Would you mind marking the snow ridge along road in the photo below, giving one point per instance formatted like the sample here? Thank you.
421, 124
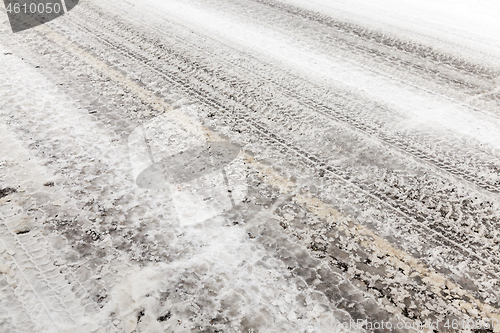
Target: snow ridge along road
371, 147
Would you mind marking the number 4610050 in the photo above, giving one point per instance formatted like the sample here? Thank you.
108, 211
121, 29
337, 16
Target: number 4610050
33, 8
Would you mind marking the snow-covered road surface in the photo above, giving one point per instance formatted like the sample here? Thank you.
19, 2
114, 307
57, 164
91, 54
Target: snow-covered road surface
252, 166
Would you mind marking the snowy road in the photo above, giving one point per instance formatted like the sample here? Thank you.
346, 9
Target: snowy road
252, 166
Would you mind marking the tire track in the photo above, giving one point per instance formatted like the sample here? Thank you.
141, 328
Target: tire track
317, 162
19, 313
47, 288
42, 148
358, 193
411, 48
340, 113
405, 67
276, 138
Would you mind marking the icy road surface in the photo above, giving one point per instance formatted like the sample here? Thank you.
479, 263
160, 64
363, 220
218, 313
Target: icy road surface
252, 166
